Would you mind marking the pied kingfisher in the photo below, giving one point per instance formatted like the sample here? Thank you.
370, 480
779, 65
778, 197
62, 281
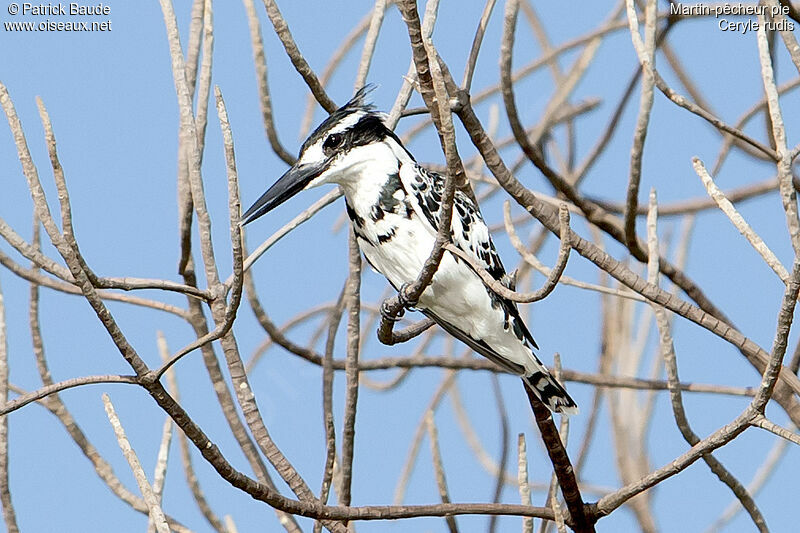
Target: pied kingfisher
393, 204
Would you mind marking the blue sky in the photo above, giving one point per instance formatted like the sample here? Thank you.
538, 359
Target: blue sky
111, 99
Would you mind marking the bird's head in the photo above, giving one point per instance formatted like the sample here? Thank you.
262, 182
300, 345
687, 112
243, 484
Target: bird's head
351, 136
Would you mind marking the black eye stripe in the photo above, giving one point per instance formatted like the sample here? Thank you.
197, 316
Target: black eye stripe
367, 130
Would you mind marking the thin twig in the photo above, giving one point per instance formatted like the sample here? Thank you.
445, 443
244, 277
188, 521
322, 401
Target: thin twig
762, 422
438, 468
370, 41
265, 99
353, 297
739, 222
299, 62
156, 514
522, 478
9, 514
670, 362
472, 59
552, 278
646, 51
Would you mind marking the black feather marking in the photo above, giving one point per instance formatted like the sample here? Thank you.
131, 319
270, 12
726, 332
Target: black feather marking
383, 239
550, 391
358, 221
428, 196
387, 199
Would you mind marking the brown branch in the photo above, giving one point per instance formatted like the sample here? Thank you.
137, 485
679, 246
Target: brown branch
708, 317
265, 99
477, 41
549, 284
353, 297
583, 518
436, 99
186, 455
299, 62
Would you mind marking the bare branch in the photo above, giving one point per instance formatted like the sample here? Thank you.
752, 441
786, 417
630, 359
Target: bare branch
438, 468
739, 222
299, 62
646, 50
671, 364
9, 514
156, 514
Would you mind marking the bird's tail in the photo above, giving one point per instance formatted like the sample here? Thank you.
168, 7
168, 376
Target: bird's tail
550, 391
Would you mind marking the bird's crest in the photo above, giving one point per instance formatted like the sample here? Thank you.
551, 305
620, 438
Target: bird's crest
357, 105
359, 100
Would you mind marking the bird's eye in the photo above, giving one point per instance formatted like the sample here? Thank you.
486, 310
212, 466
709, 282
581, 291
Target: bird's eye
333, 141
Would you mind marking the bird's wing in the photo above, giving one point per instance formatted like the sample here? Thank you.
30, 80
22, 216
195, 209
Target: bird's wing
468, 232
477, 345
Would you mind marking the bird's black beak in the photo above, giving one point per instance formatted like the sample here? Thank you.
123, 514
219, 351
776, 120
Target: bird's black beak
293, 181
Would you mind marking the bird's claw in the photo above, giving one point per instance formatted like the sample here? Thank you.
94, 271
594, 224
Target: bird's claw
405, 300
386, 312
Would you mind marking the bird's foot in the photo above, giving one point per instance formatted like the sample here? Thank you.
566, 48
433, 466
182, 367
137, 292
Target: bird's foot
386, 312
405, 299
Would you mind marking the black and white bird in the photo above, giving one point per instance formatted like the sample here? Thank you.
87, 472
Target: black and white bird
393, 204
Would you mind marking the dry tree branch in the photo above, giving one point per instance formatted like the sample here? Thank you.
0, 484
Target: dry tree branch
53, 403
299, 62
719, 124
552, 278
671, 364
762, 422
54, 388
156, 514
522, 479
730, 431
646, 51
410, 80
477, 41
759, 478
9, 514
369, 42
583, 519
784, 162
186, 457
205, 76
531, 259
353, 297
160, 471
438, 468
708, 317
739, 222
434, 92
227, 312
695, 205
552, 492
265, 99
